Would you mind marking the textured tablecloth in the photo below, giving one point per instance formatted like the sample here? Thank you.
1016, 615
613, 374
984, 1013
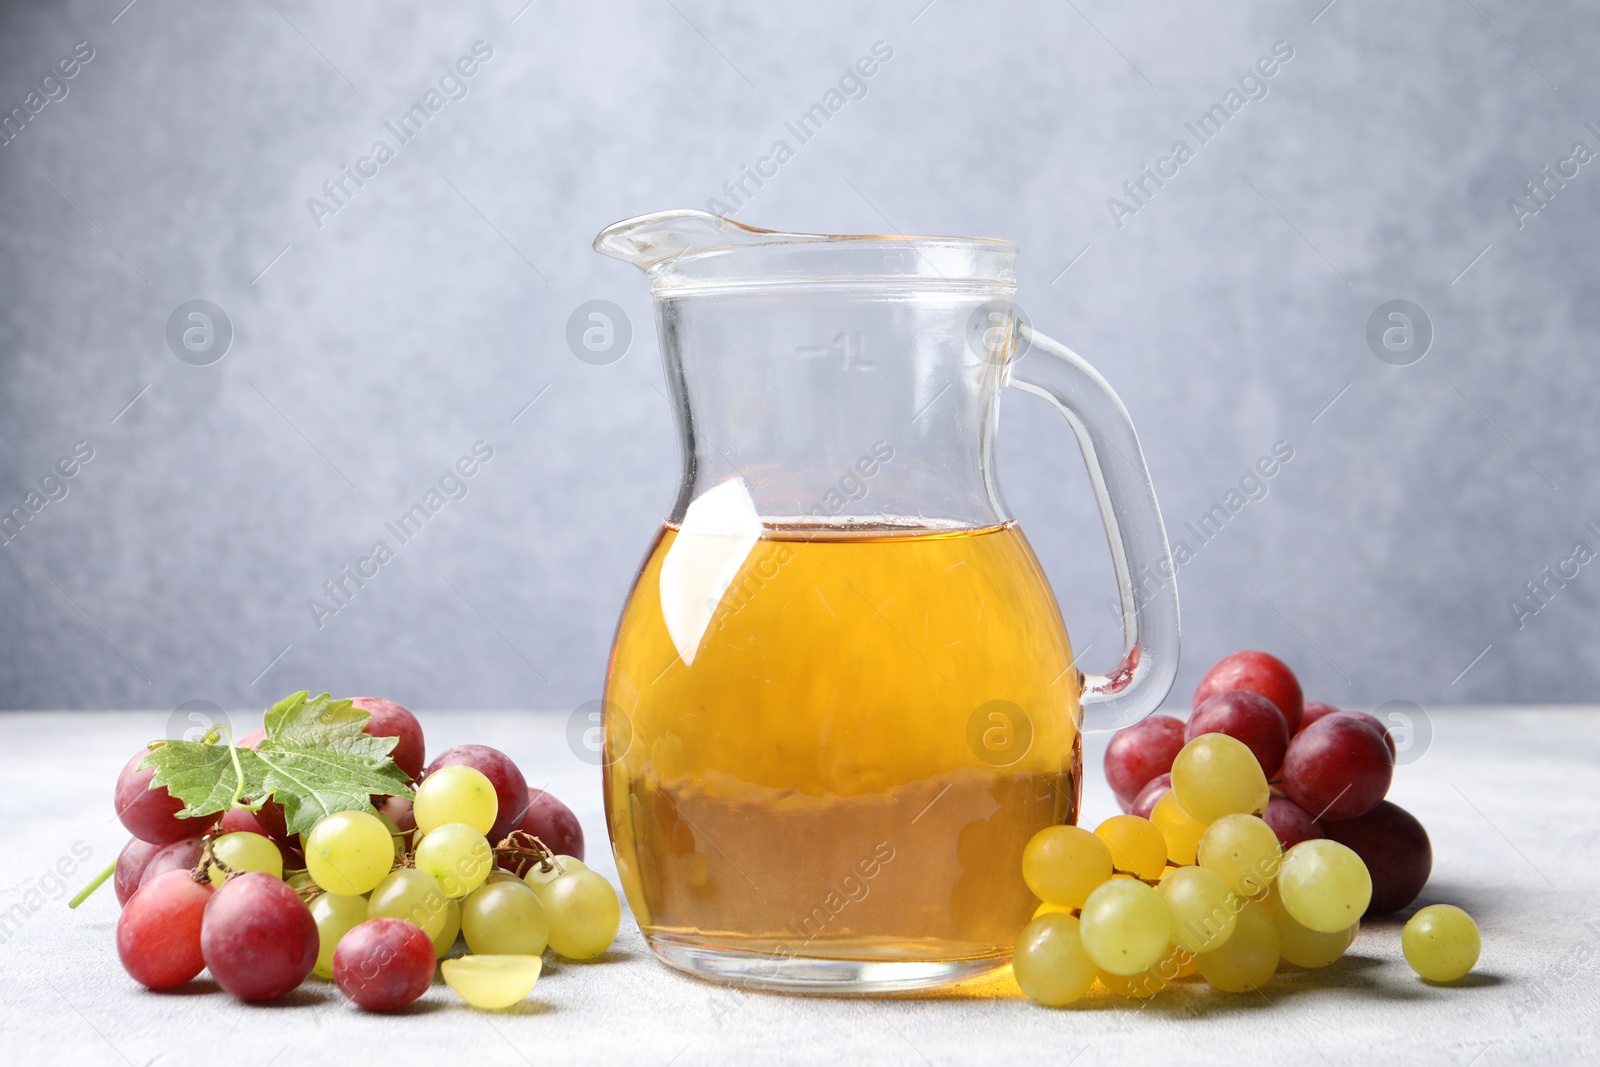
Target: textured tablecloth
1510, 797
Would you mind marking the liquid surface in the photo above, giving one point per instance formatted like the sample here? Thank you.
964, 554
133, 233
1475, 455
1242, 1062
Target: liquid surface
837, 742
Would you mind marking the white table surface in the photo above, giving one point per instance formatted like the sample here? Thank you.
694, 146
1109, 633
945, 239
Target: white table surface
1510, 797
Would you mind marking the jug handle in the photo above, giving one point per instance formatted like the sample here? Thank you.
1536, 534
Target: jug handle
1132, 519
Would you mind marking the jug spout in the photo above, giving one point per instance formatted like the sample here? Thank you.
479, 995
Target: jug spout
647, 240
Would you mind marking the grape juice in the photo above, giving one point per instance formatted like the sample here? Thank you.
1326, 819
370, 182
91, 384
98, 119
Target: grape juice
838, 745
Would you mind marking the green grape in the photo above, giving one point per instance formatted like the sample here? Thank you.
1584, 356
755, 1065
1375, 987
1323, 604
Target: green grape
539, 875
584, 914
1324, 885
1049, 961
1125, 926
492, 982
456, 794
336, 916
1244, 850
1180, 830
411, 895
1441, 942
1249, 959
394, 833
1047, 908
1137, 845
244, 852
505, 919
1063, 864
452, 930
1303, 947
498, 875
1216, 775
349, 852
298, 880
458, 857
1202, 906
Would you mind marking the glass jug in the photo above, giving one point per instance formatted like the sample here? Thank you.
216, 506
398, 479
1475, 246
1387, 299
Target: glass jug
841, 697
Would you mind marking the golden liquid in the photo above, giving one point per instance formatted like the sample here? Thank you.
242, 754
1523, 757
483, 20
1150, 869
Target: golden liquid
829, 775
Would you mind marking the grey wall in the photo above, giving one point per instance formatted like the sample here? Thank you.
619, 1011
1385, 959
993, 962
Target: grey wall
371, 352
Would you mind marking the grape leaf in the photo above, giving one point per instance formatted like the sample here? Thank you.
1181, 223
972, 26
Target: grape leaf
314, 761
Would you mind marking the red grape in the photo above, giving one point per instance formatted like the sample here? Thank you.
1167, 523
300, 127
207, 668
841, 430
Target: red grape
258, 937
384, 964
553, 823
1395, 848
131, 862
1338, 768
1260, 673
178, 856
1374, 722
1248, 717
243, 820
510, 788
158, 933
1153, 791
1141, 752
151, 814
1315, 711
1290, 822
399, 809
391, 720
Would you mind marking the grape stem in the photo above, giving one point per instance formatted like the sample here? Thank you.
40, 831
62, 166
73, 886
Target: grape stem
521, 845
99, 880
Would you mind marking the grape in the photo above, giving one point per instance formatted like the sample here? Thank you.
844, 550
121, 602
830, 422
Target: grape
245, 821
1154, 790
179, 856
1125, 926
131, 862
1202, 907
1374, 722
335, 916
584, 914
258, 937
452, 929
458, 857
1304, 947
455, 794
1248, 717
1290, 822
411, 895
505, 919
349, 852
398, 811
1047, 908
1049, 961
391, 720
158, 933
1315, 711
151, 814
244, 852
1137, 845
1260, 673
383, 964
1324, 885
1249, 959
1063, 864
1139, 752
1180, 830
1337, 769
553, 823
542, 874
510, 788
1244, 851
1217, 775
1396, 850
1441, 942
492, 982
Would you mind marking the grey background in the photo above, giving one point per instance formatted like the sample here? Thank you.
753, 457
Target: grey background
1230, 312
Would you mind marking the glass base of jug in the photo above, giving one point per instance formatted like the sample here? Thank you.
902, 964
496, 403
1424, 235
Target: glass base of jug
821, 975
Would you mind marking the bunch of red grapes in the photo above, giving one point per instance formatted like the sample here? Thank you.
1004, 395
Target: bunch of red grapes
1329, 769
186, 908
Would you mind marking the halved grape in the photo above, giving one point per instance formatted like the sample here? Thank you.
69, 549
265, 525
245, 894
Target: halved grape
492, 982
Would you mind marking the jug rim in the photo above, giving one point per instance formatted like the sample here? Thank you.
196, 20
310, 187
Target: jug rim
689, 249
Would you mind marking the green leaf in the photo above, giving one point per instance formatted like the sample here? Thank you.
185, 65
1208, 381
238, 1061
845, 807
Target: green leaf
314, 761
